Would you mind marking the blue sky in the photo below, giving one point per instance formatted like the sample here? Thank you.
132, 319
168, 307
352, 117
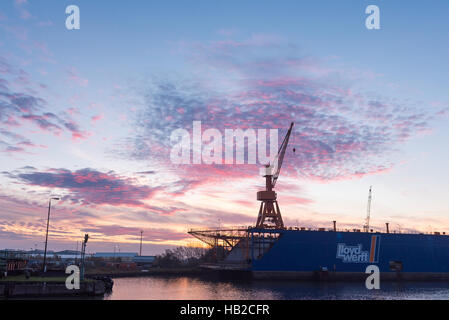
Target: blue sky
87, 110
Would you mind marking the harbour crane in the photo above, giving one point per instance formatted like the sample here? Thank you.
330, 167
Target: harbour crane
366, 226
269, 213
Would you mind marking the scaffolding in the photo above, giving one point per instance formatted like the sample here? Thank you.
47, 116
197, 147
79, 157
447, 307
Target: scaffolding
238, 245
223, 237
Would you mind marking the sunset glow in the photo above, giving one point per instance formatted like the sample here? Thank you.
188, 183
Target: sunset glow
87, 115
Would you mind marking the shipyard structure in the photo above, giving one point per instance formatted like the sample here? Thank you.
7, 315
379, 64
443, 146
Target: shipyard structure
269, 250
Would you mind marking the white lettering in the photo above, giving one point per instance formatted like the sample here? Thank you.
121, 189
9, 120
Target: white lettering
373, 280
373, 20
73, 280
72, 21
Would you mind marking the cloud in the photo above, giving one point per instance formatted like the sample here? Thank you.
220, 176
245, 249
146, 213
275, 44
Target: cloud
96, 118
74, 77
16, 108
340, 131
90, 187
150, 234
13, 143
20, 4
146, 172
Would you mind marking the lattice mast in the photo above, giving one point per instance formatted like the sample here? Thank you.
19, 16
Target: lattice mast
269, 213
368, 209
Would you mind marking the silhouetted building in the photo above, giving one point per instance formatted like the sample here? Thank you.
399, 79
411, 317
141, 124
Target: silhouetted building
123, 256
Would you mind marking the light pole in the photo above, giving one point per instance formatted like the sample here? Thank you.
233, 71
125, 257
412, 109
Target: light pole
83, 254
141, 233
44, 267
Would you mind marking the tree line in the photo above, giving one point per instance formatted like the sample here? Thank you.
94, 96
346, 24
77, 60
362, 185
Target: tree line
183, 257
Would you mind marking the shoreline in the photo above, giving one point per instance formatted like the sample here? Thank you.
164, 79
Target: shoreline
155, 272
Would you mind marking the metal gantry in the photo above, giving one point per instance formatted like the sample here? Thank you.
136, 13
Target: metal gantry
224, 237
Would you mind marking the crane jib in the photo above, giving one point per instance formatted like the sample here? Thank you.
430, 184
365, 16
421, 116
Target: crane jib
281, 153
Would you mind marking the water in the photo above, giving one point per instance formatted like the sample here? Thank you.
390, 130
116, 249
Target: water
157, 288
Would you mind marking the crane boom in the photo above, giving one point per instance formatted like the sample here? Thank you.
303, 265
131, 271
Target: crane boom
280, 155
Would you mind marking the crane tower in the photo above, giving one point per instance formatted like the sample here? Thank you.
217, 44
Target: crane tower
269, 213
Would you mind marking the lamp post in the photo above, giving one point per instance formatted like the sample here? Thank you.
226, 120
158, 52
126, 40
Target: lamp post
141, 233
83, 255
44, 267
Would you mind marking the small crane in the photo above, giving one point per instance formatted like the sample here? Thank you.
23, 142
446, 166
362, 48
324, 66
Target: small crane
366, 226
269, 213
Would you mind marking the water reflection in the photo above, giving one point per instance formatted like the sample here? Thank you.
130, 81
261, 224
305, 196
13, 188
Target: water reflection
184, 288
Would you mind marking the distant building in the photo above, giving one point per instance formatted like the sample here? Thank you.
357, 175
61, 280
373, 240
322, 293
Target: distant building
124, 256
67, 252
146, 261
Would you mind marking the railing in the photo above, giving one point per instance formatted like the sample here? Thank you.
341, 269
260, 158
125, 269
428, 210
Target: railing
372, 230
224, 228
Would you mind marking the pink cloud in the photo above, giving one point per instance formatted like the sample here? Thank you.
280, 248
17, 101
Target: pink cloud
89, 186
151, 234
96, 118
76, 78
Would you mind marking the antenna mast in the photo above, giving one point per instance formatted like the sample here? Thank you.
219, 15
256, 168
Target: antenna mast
366, 227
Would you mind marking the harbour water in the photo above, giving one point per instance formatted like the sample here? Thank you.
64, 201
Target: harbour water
187, 288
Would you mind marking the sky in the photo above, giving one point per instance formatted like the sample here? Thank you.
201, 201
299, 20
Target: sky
87, 115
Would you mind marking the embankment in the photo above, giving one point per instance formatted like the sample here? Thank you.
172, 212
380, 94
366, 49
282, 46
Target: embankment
23, 289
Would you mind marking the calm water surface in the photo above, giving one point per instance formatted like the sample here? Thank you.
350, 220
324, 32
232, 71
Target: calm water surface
157, 288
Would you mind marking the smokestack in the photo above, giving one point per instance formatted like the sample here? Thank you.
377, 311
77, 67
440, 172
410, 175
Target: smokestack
388, 231
335, 225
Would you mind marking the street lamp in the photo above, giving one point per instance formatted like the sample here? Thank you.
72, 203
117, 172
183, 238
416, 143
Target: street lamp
44, 267
141, 233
